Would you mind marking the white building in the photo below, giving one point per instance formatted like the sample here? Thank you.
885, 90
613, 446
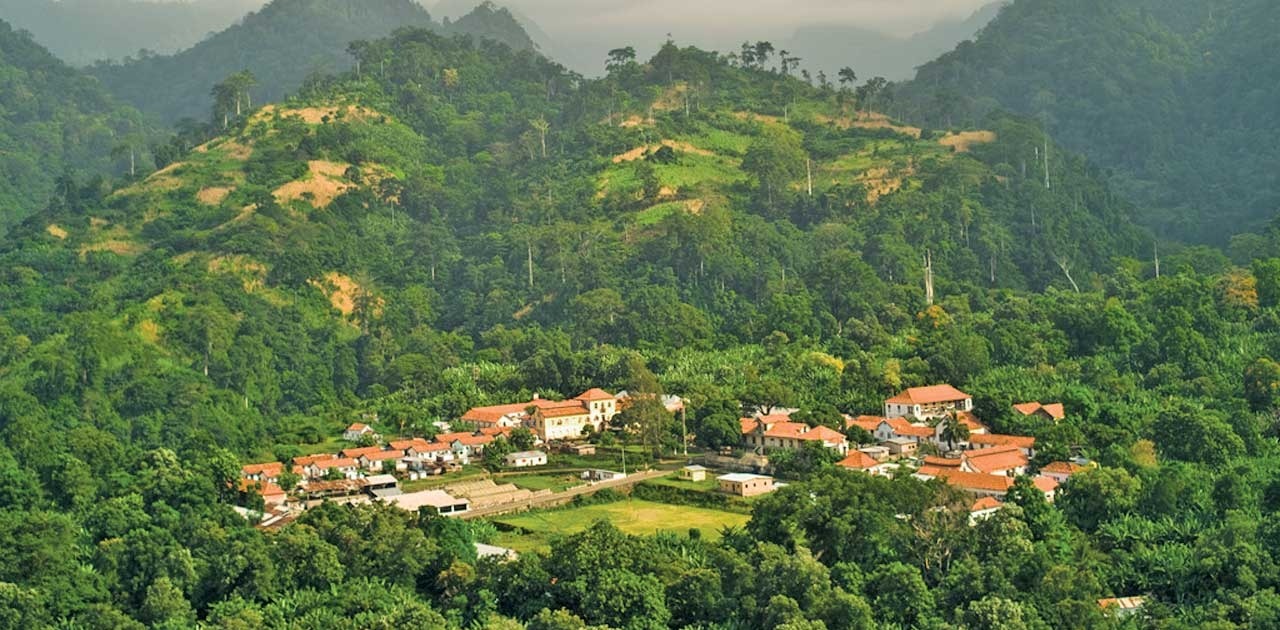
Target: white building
525, 459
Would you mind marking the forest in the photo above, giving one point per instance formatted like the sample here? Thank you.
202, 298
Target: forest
1173, 96
452, 222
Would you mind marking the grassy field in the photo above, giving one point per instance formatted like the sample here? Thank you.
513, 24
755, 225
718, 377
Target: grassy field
631, 516
554, 483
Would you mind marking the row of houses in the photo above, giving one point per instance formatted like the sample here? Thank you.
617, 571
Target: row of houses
562, 420
445, 453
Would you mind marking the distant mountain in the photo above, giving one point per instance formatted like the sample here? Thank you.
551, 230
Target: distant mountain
829, 47
281, 45
490, 21
53, 120
81, 32
1181, 99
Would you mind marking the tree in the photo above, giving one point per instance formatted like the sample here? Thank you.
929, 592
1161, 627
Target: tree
620, 58
522, 438
899, 595
776, 160
847, 77
954, 431
1262, 384
541, 125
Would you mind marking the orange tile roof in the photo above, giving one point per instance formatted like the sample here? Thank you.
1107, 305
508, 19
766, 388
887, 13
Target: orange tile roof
1054, 410
970, 420
858, 460
306, 460
263, 488
985, 503
404, 445
468, 439
928, 395
496, 431
971, 481
802, 431
942, 462
1045, 484
902, 426
493, 413
357, 426
595, 393
868, 423
748, 425
360, 452
337, 462
269, 469
566, 411
1063, 468
382, 456
995, 460
996, 439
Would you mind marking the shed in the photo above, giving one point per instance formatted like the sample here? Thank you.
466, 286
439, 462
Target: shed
745, 484
693, 473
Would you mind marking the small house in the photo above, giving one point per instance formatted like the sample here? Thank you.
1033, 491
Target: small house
525, 459
1122, 607
1052, 412
745, 484
693, 473
901, 446
356, 431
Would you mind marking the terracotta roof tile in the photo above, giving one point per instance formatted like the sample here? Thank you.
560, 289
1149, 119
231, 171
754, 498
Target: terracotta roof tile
593, 394
858, 460
360, 452
972, 481
985, 503
996, 460
1054, 410
996, 439
1063, 468
269, 469
928, 395
868, 423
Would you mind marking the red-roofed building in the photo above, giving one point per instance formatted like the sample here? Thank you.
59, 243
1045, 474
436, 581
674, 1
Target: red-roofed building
901, 428
980, 484
922, 403
271, 493
866, 423
269, 472
347, 466
993, 440
983, 509
859, 461
770, 432
375, 461
549, 419
307, 460
1052, 412
1062, 471
1001, 460
357, 453
356, 431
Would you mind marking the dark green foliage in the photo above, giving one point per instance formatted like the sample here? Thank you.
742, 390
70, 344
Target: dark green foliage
55, 123
1177, 97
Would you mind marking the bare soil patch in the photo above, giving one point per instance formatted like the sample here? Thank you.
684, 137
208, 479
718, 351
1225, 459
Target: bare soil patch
214, 195
323, 183
56, 231
963, 141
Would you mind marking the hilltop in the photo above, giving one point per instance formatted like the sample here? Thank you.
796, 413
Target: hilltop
430, 196
281, 45
55, 121
1176, 97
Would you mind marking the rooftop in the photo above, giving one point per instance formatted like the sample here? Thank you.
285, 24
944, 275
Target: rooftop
995, 439
1053, 410
929, 395
742, 477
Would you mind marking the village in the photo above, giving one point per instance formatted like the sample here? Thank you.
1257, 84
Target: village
926, 432
929, 433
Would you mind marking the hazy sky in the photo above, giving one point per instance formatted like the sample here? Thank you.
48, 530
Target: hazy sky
582, 30
734, 18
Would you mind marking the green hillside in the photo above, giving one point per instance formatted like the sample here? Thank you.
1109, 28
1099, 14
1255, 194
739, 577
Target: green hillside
281, 44
471, 224
54, 120
1176, 97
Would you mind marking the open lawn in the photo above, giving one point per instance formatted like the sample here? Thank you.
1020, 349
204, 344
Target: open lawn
631, 516
552, 482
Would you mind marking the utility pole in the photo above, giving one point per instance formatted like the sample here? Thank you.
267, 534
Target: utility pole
928, 277
529, 245
808, 169
1046, 161
1156, 248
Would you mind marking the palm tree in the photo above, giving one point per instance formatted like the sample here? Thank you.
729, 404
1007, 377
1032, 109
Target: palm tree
954, 431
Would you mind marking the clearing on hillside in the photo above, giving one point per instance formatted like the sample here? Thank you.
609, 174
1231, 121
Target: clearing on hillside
323, 183
633, 516
964, 140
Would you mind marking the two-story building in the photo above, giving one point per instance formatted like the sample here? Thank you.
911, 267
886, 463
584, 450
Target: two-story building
924, 403
778, 432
